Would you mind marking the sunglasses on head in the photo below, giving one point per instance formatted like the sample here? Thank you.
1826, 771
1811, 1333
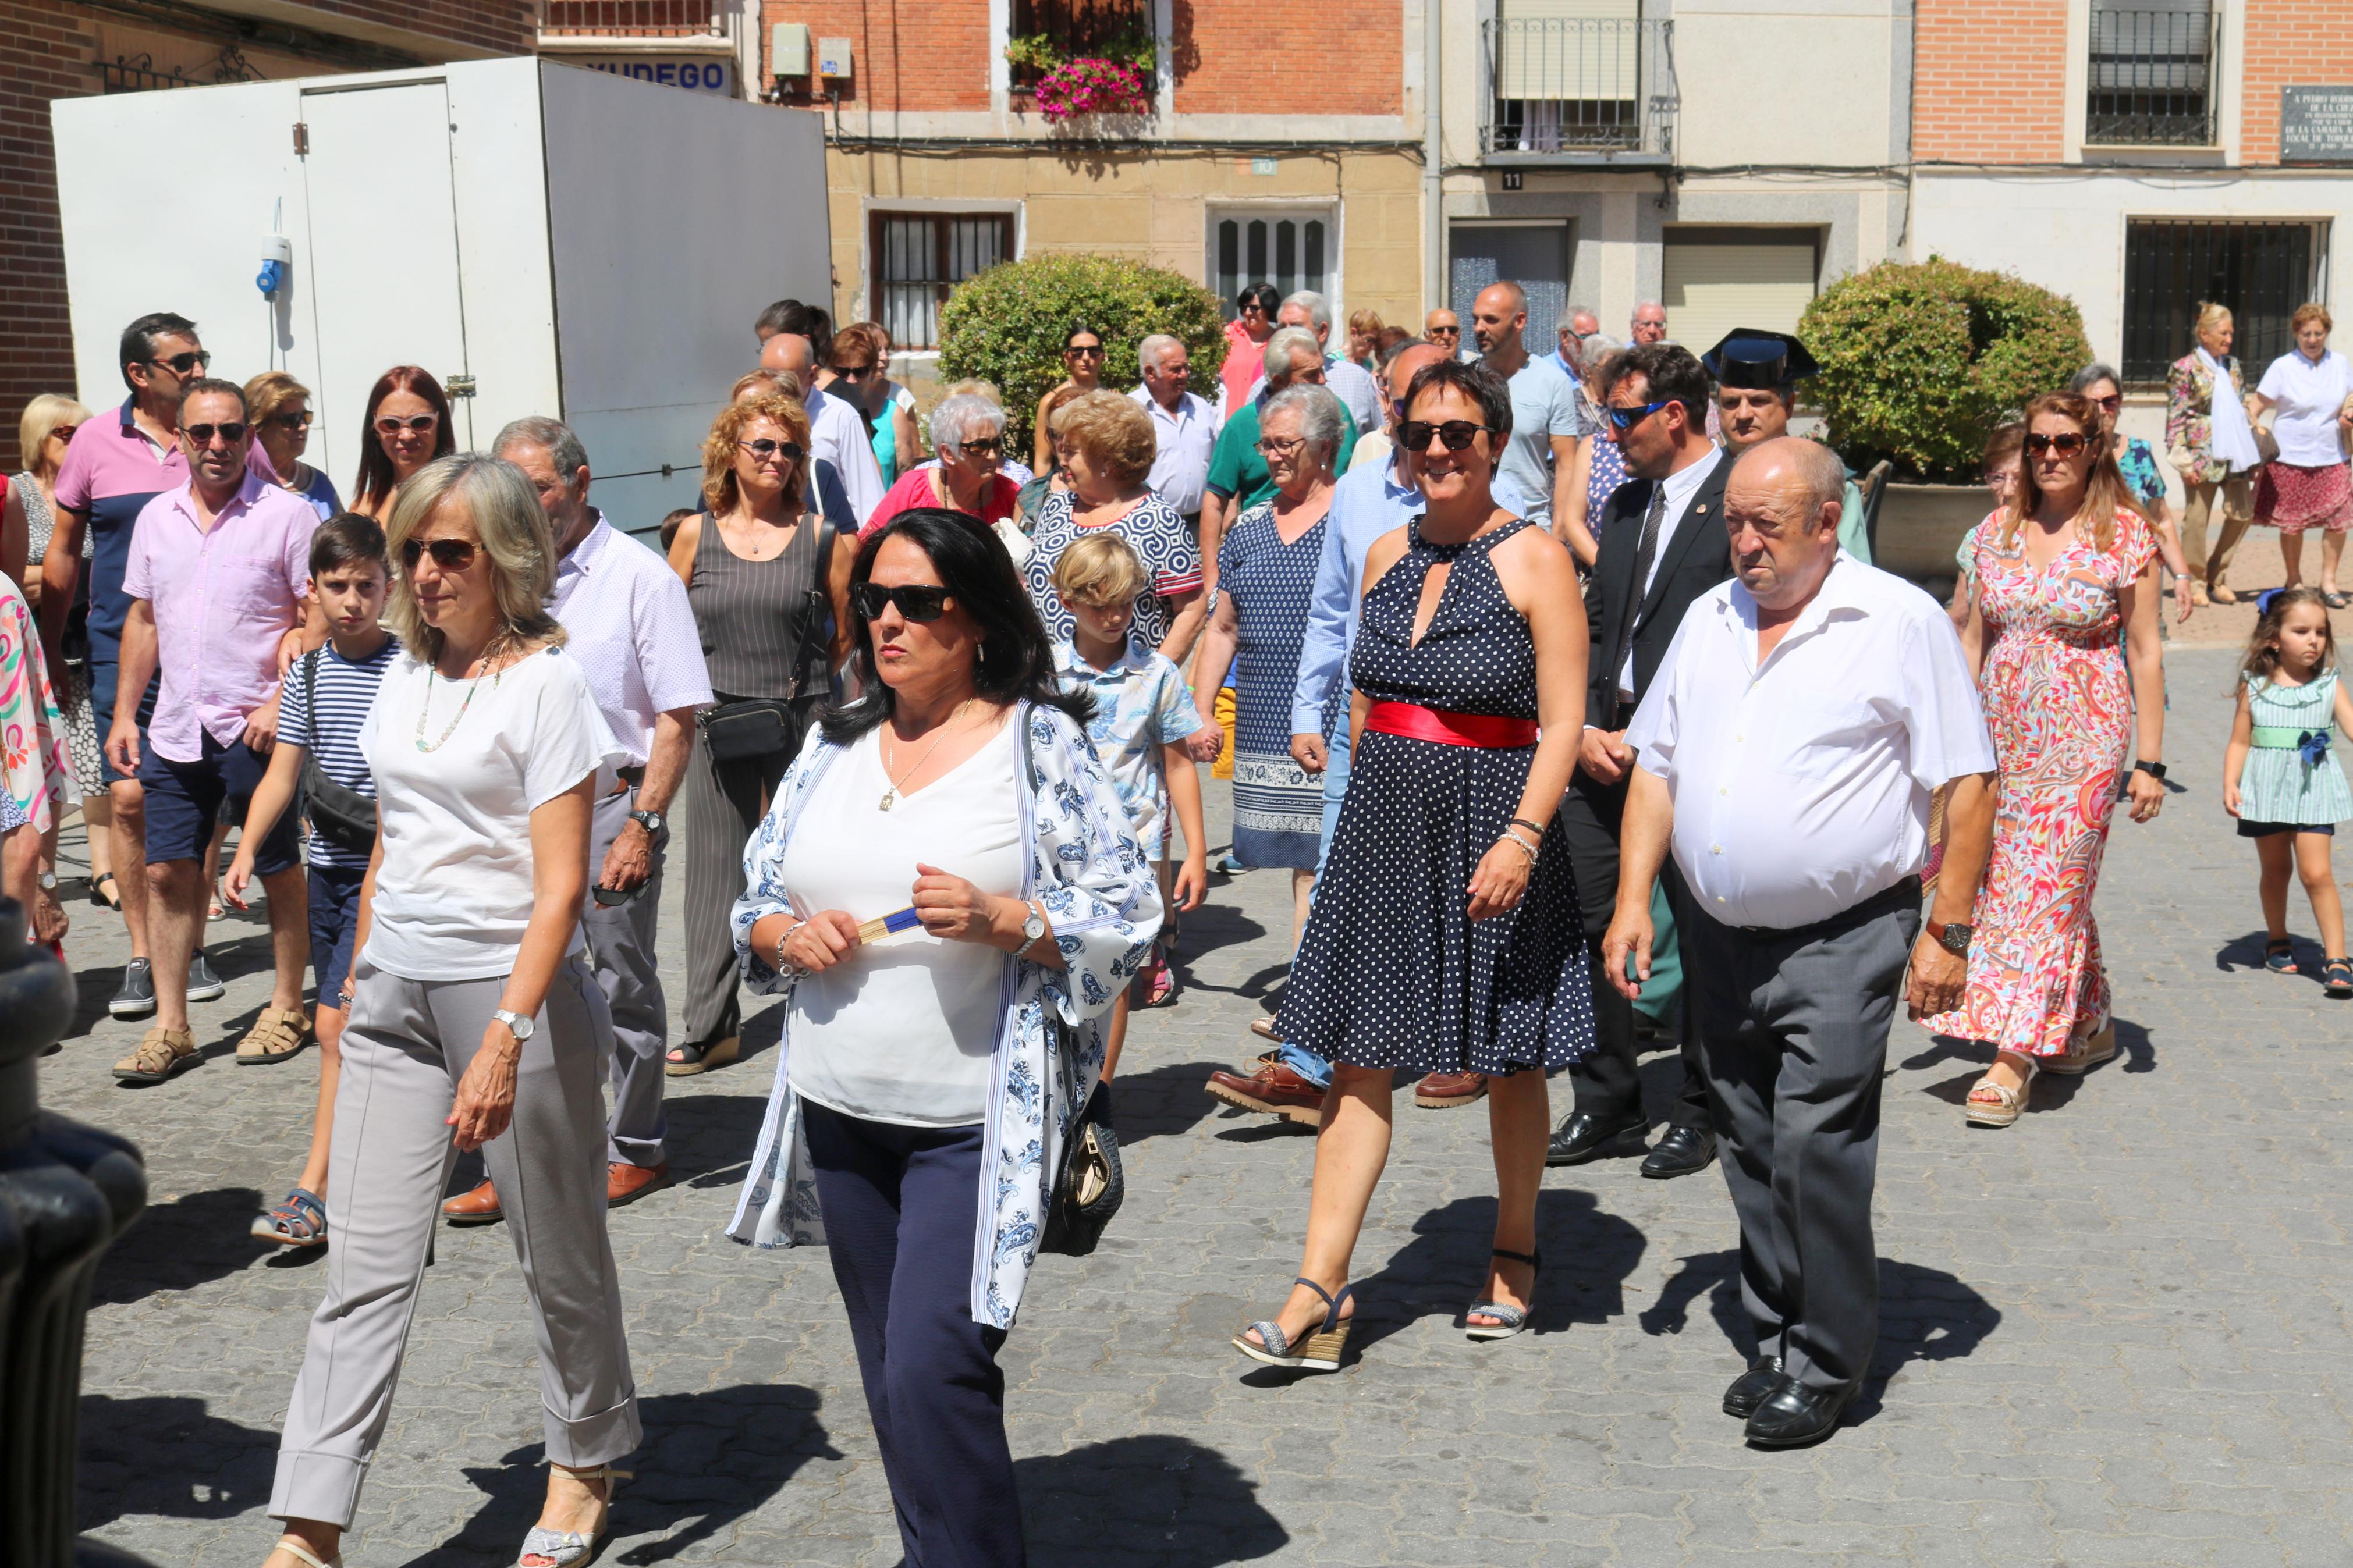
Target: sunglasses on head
1414, 434
393, 424
449, 555
230, 431
916, 601
1627, 419
764, 448
180, 364
2067, 443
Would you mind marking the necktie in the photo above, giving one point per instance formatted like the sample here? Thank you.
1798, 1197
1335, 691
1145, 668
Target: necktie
1645, 552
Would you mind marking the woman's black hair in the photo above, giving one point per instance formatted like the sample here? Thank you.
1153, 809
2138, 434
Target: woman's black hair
1476, 381
1262, 295
1101, 342
1016, 657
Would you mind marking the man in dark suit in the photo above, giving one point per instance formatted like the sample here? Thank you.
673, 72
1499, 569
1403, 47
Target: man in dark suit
1663, 546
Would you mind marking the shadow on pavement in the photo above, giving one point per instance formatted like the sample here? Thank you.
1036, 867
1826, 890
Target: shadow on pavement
1167, 1101
1150, 1499
166, 1456
708, 1460
182, 1244
2136, 1053
712, 1136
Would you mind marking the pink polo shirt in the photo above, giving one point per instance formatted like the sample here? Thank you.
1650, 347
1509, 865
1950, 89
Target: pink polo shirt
221, 598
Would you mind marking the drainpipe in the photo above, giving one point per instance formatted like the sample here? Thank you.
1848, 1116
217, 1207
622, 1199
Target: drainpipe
1433, 174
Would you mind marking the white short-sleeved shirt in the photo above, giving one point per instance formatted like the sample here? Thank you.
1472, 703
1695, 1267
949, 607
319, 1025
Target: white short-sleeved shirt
1801, 786
454, 891
2308, 396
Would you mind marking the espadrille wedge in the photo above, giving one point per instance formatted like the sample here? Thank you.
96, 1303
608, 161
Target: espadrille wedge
1318, 1352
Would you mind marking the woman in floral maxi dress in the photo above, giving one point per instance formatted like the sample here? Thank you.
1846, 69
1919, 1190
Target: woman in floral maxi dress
2064, 635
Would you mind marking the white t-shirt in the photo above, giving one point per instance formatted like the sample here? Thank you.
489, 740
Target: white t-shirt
2308, 396
454, 891
902, 1031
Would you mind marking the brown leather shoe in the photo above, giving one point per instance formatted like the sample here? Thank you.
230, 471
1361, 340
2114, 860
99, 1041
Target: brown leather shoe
1273, 1090
1445, 1091
479, 1206
625, 1184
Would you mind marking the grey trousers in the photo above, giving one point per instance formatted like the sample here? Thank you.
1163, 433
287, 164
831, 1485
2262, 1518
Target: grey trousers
719, 804
1793, 1040
406, 1044
621, 947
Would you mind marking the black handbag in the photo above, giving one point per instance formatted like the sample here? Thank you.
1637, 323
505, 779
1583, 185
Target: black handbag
760, 726
756, 727
343, 818
1090, 1183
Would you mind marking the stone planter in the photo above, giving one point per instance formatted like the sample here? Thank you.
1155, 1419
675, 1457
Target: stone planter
1920, 526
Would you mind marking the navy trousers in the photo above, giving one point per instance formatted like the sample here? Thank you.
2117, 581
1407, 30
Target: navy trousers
902, 1205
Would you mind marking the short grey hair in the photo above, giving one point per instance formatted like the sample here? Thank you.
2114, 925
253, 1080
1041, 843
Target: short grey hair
966, 416
1643, 305
1321, 423
1596, 351
1571, 314
553, 437
2092, 374
1281, 350
1318, 308
1157, 348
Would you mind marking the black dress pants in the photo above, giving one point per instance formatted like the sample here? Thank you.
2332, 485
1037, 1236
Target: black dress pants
1609, 1083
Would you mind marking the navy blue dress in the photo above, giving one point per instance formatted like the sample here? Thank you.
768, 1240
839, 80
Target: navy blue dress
1278, 805
1392, 972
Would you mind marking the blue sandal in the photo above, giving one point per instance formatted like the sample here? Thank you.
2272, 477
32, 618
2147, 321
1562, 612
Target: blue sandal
2279, 956
1509, 1319
300, 1221
2339, 971
1319, 1352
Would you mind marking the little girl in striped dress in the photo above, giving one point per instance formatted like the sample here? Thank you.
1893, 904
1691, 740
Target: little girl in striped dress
2278, 778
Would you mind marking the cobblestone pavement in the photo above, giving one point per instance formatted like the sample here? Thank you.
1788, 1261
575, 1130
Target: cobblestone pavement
2114, 1334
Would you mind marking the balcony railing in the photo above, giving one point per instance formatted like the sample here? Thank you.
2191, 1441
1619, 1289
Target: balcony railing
2152, 79
1579, 85
635, 18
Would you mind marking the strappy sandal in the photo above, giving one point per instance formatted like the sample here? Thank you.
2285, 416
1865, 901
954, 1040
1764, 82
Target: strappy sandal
300, 1221
297, 1548
1319, 1352
2008, 1104
684, 1060
2083, 1053
569, 1548
1510, 1320
2340, 978
103, 892
161, 1053
2335, 599
2279, 956
278, 1033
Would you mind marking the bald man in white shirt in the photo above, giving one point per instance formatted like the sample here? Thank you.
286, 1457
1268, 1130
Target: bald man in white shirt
1786, 751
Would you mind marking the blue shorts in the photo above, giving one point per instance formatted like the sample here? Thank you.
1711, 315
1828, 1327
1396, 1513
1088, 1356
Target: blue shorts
184, 799
2265, 829
105, 676
334, 922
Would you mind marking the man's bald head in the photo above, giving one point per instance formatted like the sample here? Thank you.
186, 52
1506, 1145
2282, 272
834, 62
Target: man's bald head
1781, 506
790, 352
1401, 369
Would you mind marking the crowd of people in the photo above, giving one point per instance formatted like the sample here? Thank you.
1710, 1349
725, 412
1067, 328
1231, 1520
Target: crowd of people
1561, 684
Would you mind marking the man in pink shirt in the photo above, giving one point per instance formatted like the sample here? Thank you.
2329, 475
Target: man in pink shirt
215, 575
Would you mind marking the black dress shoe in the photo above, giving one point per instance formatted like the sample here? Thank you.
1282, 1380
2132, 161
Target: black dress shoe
1585, 1136
1752, 1387
1794, 1414
1681, 1151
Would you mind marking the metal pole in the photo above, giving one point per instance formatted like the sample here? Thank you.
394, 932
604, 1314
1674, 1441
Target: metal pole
1433, 157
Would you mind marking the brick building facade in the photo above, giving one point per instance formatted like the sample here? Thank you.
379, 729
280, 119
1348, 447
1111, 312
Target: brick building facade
60, 49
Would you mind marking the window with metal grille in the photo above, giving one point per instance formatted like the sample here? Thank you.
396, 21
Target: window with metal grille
918, 256
1289, 250
2261, 271
2152, 73
1076, 29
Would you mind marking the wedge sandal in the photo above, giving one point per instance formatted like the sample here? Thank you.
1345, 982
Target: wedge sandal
1318, 1352
685, 1060
1510, 1320
2083, 1053
2007, 1104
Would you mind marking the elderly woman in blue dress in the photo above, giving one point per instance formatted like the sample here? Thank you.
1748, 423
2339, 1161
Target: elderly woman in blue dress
945, 873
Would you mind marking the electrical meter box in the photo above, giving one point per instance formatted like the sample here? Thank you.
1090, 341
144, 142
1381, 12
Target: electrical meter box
544, 238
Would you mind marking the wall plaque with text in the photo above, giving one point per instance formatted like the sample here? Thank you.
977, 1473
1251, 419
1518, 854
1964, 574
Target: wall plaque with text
2316, 125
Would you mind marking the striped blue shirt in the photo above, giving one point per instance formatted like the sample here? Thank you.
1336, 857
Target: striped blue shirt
347, 692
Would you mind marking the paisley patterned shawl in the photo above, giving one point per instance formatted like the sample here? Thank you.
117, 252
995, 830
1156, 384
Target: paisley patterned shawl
1101, 898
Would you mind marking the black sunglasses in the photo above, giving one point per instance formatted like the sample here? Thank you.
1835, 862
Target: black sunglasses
764, 448
916, 601
393, 424
230, 431
449, 555
290, 421
1414, 434
1624, 419
1085, 349
2067, 443
1445, 331
987, 446
180, 364
854, 372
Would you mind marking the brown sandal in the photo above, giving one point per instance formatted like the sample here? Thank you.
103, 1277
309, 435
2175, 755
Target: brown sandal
276, 1035
2008, 1104
162, 1053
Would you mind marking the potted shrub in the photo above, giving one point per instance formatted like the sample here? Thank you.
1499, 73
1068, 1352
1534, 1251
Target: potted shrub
1920, 362
1007, 325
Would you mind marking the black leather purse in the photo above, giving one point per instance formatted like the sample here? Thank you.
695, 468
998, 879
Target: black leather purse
1090, 1183
758, 727
343, 818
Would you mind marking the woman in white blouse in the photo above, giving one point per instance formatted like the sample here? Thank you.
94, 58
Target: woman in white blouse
2308, 485
469, 1010
944, 866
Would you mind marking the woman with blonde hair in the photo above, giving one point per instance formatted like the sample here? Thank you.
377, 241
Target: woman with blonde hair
2063, 634
765, 572
2210, 441
1365, 330
469, 1009
1107, 444
2308, 485
277, 406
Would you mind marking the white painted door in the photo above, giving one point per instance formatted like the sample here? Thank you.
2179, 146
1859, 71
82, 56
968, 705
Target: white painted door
383, 250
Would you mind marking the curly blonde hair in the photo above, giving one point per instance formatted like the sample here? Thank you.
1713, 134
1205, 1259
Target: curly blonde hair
1115, 435
720, 490
518, 546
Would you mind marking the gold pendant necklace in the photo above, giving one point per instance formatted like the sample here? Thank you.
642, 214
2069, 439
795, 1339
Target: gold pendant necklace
891, 794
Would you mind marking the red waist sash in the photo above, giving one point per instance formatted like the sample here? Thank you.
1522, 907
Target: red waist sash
1488, 732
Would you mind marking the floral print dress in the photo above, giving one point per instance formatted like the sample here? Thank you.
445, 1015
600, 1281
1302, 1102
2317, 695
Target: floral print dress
2060, 704
34, 776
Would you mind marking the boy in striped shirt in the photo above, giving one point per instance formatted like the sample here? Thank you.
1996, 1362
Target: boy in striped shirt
324, 700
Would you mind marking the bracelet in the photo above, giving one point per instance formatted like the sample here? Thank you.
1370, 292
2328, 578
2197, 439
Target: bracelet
1516, 842
1523, 822
785, 966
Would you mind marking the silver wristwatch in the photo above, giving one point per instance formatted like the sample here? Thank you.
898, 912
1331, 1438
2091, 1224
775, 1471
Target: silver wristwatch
520, 1024
1033, 926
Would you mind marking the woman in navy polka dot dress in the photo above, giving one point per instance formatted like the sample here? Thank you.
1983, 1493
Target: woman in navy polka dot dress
1445, 936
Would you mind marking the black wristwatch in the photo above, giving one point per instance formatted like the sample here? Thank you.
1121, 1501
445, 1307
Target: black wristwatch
1953, 938
651, 821
2154, 770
